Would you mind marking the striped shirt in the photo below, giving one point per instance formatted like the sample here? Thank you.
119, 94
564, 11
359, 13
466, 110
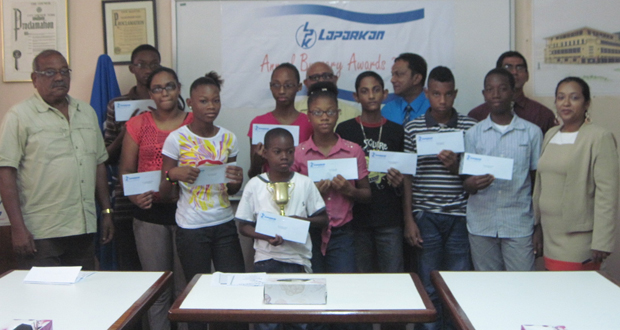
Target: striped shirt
504, 209
434, 188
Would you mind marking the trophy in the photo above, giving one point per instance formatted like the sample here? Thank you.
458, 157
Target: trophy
280, 193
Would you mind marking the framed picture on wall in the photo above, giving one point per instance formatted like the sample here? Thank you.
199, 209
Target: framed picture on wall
29, 27
126, 25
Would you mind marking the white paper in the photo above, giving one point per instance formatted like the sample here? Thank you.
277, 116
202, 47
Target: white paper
259, 131
53, 275
327, 169
138, 183
433, 144
381, 161
500, 168
212, 174
290, 229
238, 279
124, 109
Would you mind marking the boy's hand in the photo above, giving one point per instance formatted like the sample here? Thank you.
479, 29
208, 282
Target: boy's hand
340, 184
477, 182
450, 160
278, 240
234, 174
394, 177
323, 186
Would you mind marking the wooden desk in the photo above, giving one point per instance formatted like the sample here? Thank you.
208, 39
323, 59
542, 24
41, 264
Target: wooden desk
104, 300
507, 300
376, 298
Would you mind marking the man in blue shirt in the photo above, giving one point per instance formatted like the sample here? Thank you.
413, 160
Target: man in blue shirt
408, 78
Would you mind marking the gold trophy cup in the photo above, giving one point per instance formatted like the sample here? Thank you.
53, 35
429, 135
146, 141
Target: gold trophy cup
280, 193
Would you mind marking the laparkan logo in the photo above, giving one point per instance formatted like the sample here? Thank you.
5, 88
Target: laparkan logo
268, 217
129, 178
477, 159
312, 165
422, 138
307, 37
376, 155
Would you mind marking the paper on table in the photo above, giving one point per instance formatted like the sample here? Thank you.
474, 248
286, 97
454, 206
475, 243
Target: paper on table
433, 144
259, 131
238, 279
138, 183
212, 174
53, 275
290, 229
124, 109
381, 161
327, 169
500, 168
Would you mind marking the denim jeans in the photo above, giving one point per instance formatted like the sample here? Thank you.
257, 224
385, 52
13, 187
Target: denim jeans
379, 250
340, 255
220, 244
274, 266
445, 247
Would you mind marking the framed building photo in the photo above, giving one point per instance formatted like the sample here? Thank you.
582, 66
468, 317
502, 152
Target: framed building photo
28, 27
126, 25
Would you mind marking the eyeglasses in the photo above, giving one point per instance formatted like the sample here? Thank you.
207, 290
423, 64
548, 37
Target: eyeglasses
169, 88
518, 67
319, 113
322, 76
151, 66
65, 72
286, 86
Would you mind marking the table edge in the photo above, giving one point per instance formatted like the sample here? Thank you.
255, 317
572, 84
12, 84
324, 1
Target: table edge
458, 315
333, 316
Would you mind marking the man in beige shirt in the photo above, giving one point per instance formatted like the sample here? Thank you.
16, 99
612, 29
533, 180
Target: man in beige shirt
320, 71
52, 158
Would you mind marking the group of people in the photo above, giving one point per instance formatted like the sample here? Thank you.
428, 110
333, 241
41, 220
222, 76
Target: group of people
562, 198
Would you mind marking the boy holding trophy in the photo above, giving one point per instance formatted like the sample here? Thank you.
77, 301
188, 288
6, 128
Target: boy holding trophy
280, 191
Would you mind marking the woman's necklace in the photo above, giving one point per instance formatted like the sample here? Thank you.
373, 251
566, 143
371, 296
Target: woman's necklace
364, 132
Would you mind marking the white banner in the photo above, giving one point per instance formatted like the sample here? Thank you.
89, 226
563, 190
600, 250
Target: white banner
350, 36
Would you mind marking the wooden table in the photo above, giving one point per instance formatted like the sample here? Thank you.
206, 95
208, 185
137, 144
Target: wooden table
103, 300
507, 300
376, 298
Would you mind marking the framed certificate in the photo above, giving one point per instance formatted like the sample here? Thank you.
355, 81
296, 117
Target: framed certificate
127, 25
29, 27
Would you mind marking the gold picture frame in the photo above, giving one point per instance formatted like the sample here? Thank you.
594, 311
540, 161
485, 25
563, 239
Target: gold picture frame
28, 27
126, 25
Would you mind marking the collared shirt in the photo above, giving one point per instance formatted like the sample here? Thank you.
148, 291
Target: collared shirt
395, 110
346, 111
56, 162
504, 209
525, 108
434, 188
339, 207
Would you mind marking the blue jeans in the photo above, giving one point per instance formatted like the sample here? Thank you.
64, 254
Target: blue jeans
379, 250
340, 255
274, 266
445, 247
220, 244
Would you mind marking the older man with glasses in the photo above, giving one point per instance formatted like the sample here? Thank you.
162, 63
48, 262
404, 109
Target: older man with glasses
320, 71
52, 159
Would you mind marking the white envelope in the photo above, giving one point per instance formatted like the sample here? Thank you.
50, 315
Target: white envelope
212, 174
500, 168
381, 161
290, 229
137, 183
124, 109
433, 144
327, 169
259, 131
53, 275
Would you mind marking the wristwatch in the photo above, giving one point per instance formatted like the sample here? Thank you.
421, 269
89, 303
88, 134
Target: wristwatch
107, 211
